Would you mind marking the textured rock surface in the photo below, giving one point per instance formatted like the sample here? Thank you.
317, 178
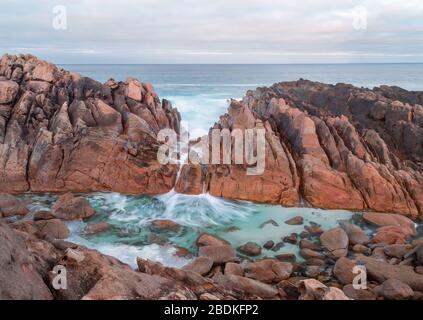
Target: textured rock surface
19, 278
60, 131
362, 147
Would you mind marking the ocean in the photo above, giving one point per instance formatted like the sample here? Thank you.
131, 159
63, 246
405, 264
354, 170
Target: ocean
201, 93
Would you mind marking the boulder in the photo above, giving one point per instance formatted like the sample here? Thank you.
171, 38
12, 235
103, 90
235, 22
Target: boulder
269, 245
249, 286
391, 235
358, 294
233, 268
335, 241
69, 207
312, 289
11, 206
96, 228
251, 249
268, 270
295, 221
393, 289
311, 254
355, 234
218, 254
397, 250
52, 229
201, 265
343, 270
381, 271
384, 219
43, 215
206, 239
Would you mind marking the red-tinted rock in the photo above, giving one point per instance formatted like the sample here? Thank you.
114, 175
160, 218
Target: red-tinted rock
69, 207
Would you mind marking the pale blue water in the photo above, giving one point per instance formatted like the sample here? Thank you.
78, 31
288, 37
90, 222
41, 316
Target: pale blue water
200, 92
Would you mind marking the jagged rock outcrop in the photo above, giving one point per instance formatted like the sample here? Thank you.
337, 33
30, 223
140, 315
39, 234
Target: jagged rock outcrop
335, 146
60, 131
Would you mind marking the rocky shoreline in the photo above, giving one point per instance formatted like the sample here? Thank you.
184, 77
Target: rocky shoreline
34, 243
61, 132
327, 146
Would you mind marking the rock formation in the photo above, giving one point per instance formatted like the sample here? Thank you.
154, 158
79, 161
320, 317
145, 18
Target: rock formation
335, 146
332, 146
60, 131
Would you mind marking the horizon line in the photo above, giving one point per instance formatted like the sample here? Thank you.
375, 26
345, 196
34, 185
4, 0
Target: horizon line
243, 64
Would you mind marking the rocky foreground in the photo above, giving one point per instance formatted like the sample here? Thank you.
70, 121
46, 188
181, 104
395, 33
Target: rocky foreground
63, 132
33, 244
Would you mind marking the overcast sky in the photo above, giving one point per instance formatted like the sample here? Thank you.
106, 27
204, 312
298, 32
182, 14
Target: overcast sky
215, 31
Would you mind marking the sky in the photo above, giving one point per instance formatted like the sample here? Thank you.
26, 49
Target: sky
214, 31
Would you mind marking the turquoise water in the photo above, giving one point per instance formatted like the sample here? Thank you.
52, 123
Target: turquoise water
235, 221
201, 92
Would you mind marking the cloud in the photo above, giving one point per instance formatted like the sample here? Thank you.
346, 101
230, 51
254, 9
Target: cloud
219, 31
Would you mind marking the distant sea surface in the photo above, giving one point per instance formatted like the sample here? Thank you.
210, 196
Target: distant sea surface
201, 92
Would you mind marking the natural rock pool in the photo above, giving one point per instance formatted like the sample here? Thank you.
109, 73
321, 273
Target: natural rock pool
238, 222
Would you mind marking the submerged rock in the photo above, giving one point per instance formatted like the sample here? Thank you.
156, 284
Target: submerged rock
295, 221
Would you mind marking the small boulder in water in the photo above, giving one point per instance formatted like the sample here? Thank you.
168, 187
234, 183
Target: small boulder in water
269, 245
286, 257
206, 239
97, 228
234, 268
292, 238
251, 249
165, 225
295, 221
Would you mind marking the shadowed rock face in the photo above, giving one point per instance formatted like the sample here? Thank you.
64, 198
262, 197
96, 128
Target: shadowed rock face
63, 132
